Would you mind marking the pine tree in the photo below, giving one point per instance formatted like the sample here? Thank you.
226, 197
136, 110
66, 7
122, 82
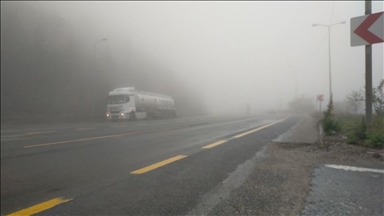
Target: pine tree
330, 107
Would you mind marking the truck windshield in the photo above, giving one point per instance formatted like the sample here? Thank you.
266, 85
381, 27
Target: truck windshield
117, 99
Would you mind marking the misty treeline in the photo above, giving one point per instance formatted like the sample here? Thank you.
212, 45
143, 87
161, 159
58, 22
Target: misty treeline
355, 101
302, 105
47, 70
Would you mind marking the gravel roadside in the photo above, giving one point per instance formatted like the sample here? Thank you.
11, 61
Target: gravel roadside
280, 183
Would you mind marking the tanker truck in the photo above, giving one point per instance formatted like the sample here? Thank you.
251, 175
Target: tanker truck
129, 103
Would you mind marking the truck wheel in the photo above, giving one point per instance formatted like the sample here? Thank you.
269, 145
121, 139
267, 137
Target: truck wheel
148, 117
132, 116
166, 115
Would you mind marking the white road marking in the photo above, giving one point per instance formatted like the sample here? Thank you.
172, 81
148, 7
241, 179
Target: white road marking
352, 168
39, 132
85, 128
118, 125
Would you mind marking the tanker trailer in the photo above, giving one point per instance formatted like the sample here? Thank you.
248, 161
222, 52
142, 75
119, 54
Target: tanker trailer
129, 103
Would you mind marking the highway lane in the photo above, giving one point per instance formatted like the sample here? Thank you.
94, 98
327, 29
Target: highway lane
58, 135
23, 132
99, 174
7, 129
12, 132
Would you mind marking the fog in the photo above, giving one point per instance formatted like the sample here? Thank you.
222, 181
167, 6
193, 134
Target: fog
210, 56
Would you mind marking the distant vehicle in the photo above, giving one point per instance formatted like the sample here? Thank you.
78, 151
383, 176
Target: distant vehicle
129, 103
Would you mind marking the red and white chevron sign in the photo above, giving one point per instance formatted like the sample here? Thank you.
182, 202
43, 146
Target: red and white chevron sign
320, 97
368, 29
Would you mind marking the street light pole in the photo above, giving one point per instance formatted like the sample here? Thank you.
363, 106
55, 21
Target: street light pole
329, 52
329, 60
93, 81
295, 84
295, 69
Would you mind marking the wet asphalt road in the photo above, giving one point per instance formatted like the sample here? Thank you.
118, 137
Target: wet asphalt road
91, 166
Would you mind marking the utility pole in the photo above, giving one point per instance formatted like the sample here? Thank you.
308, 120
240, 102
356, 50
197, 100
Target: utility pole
295, 84
295, 69
368, 72
329, 61
93, 81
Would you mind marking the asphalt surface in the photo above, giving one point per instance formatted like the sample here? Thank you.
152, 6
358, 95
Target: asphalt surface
91, 166
345, 192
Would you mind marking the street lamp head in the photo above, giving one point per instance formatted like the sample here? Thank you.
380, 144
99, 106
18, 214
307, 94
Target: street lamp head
343, 22
315, 25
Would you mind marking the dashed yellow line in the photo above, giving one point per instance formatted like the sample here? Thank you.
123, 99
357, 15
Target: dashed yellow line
215, 144
260, 128
159, 164
84, 129
39, 132
93, 138
40, 207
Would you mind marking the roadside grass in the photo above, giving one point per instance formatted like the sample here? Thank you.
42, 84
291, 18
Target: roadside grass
349, 121
353, 126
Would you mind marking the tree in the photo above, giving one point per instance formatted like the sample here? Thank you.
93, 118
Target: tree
354, 101
48, 70
330, 108
378, 98
330, 123
301, 105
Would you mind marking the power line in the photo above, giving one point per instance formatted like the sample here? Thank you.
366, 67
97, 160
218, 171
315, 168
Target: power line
333, 7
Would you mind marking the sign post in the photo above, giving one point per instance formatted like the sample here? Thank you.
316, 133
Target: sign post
320, 98
365, 31
368, 72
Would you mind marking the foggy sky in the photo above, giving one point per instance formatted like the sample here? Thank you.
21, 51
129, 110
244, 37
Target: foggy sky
233, 52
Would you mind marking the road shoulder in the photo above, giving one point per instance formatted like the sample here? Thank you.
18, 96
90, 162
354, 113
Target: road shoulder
281, 184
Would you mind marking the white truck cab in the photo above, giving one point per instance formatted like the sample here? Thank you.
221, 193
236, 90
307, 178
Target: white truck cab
120, 104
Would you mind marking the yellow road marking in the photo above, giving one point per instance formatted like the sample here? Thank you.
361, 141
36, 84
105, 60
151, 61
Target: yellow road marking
39, 132
159, 164
92, 138
40, 207
215, 144
84, 128
259, 128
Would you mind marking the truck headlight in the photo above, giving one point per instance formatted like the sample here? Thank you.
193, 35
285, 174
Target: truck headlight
107, 114
122, 114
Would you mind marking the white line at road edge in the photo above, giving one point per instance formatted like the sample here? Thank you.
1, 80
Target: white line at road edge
351, 168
